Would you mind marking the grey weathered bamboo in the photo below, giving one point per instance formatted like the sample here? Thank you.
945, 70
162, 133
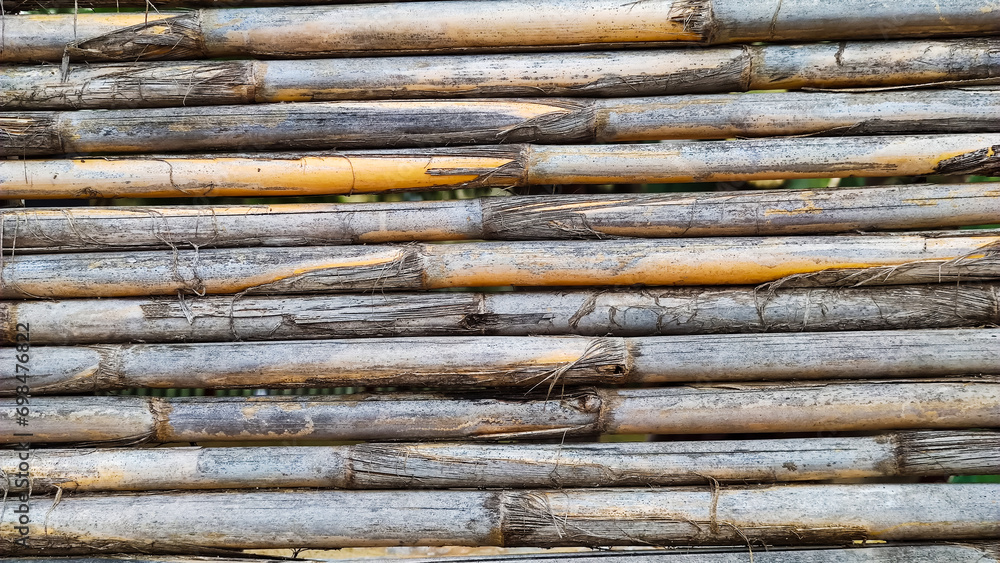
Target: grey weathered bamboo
503, 361
603, 216
694, 409
457, 26
596, 74
661, 311
350, 172
407, 466
415, 123
874, 259
188, 522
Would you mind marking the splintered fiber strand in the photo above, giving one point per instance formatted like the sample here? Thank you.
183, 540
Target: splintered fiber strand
428, 465
580, 216
853, 260
499, 166
416, 123
648, 312
702, 409
463, 26
501, 361
196, 522
871, 64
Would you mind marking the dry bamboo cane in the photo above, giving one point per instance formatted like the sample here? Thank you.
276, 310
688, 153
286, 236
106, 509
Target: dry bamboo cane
663, 311
457, 26
414, 123
595, 74
603, 216
503, 361
702, 409
884, 259
407, 466
190, 522
352, 172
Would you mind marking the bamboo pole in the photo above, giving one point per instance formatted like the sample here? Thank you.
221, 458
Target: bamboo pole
890, 259
300, 174
504, 361
663, 311
413, 123
594, 74
790, 514
457, 26
703, 409
431, 466
604, 216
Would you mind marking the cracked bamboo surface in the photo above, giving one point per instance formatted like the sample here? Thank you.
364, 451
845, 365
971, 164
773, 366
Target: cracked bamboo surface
694, 409
855, 64
456, 26
846, 260
663, 311
414, 123
192, 522
429, 465
355, 172
602, 216
502, 361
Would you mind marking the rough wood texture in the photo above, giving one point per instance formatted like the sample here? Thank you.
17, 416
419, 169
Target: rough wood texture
594, 74
409, 466
413, 123
351, 172
702, 409
852, 260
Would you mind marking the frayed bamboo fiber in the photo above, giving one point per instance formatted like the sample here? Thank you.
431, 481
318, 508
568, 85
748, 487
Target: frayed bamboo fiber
504, 166
191, 522
414, 123
696, 409
408, 466
600, 216
503, 361
847, 260
462, 26
649, 312
594, 74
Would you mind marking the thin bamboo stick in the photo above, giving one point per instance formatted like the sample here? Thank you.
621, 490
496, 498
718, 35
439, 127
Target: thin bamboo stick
703, 409
790, 514
663, 311
605, 216
838, 260
502, 361
278, 174
408, 466
412, 123
456, 26
594, 74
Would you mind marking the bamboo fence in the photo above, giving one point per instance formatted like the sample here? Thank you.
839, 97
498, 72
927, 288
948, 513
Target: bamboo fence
651, 72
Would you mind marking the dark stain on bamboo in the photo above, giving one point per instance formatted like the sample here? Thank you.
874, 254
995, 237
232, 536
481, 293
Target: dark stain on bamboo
984, 161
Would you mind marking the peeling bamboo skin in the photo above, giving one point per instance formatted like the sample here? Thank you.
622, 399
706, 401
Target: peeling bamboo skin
854, 260
429, 465
800, 514
604, 216
665, 311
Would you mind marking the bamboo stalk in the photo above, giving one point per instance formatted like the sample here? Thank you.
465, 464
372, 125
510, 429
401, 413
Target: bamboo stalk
839, 260
412, 123
430, 466
503, 361
664, 311
604, 216
593, 74
456, 26
703, 409
299, 174
797, 515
